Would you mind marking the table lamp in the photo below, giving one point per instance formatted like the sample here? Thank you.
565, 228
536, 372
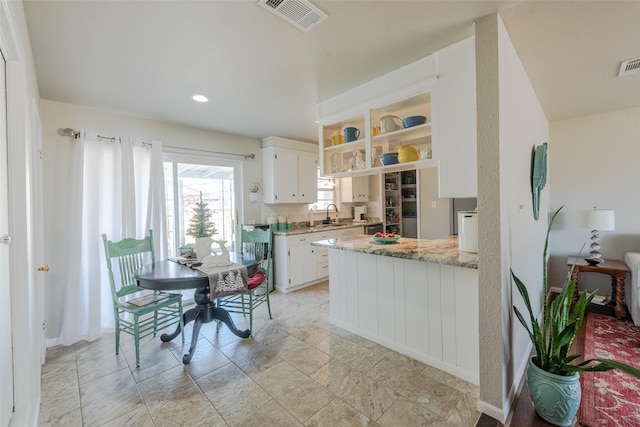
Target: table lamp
598, 220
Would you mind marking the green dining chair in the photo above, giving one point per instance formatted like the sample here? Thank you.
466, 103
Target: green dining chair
150, 313
256, 242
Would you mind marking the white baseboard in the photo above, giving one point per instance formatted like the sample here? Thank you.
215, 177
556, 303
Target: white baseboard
492, 411
503, 414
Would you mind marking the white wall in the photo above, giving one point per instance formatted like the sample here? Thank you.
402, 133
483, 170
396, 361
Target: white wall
595, 162
23, 142
510, 123
435, 221
58, 162
56, 115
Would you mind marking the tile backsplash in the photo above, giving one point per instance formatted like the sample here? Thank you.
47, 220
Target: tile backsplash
300, 212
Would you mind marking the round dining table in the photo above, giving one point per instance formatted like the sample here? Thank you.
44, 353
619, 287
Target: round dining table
167, 275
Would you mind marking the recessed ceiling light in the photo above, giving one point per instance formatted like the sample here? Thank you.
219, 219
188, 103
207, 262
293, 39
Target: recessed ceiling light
199, 98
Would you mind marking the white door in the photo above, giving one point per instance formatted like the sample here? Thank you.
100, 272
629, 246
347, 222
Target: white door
218, 181
38, 250
6, 347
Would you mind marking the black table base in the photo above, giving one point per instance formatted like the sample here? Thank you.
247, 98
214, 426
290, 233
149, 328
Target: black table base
204, 312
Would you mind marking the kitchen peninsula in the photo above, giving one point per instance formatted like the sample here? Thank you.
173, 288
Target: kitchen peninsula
418, 297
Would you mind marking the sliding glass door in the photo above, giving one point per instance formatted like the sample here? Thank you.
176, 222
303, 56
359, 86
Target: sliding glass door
186, 179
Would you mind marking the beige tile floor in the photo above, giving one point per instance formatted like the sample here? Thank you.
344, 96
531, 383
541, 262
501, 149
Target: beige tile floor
297, 370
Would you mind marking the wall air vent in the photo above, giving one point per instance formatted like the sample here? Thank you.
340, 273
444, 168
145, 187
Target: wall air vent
629, 66
300, 13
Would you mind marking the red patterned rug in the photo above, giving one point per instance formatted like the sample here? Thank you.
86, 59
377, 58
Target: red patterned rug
610, 398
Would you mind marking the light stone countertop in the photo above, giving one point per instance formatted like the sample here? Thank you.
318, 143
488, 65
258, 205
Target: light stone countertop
440, 251
321, 227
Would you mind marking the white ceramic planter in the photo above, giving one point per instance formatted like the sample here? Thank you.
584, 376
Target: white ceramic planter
203, 247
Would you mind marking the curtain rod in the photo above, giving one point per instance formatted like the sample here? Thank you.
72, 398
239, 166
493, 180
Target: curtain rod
76, 134
246, 156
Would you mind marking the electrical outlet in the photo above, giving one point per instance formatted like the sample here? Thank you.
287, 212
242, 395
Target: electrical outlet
433, 204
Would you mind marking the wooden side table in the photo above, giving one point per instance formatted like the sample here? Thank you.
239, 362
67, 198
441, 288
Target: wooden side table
612, 267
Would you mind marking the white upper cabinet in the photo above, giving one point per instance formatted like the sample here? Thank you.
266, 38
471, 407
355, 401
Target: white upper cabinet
307, 177
289, 171
354, 189
379, 129
455, 128
440, 87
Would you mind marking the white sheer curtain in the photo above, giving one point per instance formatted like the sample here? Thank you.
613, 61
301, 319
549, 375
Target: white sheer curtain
119, 191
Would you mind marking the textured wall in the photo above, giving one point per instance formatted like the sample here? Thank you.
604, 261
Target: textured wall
510, 123
489, 259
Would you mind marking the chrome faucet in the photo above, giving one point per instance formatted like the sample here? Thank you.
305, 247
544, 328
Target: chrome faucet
328, 220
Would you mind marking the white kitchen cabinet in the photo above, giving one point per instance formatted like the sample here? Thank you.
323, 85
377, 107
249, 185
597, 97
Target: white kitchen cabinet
441, 86
294, 261
454, 127
289, 174
297, 264
343, 159
307, 178
302, 260
354, 189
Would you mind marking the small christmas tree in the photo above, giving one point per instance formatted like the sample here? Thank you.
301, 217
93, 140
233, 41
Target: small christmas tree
201, 224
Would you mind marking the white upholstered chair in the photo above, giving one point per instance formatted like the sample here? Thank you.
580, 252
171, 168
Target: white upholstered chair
632, 286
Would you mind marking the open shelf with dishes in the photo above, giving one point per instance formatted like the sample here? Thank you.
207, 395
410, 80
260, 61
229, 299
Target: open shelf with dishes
402, 126
339, 156
392, 203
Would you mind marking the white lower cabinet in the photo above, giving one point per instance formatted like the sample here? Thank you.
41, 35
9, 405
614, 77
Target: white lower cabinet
322, 262
297, 264
301, 255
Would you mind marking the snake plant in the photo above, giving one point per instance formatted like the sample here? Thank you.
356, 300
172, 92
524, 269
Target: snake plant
553, 336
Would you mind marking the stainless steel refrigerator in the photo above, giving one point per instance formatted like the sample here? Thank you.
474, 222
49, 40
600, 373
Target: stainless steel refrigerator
410, 226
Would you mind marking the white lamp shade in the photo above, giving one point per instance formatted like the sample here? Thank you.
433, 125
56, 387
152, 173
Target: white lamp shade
601, 219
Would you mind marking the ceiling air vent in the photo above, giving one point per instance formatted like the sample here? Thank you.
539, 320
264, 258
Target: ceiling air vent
300, 13
629, 66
